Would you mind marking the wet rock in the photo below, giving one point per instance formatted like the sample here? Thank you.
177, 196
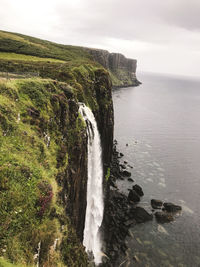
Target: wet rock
130, 222
141, 215
138, 190
156, 204
163, 217
122, 166
121, 154
133, 196
170, 207
130, 180
125, 162
126, 173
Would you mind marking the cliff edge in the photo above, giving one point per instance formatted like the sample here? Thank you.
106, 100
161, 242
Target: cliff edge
122, 70
43, 144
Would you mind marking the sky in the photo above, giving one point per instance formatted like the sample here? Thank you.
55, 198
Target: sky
164, 36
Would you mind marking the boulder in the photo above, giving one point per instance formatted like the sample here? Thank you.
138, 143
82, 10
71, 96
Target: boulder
122, 166
163, 217
126, 173
138, 190
156, 204
133, 196
141, 215
130, 180
170, 207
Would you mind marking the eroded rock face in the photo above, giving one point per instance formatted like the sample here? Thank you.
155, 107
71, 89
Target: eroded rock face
122, 68
75, 185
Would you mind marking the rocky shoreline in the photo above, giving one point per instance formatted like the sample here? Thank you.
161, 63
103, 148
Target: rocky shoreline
122, 211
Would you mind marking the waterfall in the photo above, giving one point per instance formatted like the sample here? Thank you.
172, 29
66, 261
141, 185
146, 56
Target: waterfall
95, 205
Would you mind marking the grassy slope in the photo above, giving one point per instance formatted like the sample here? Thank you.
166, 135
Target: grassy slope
30, 207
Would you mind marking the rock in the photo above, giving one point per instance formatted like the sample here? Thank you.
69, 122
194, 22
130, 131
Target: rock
126, 173
170, 207
130, 166
133, 196
125, 162
141, 215
138, 190
163, 217
122, 166
130, 222
130, 180
126, 144
121, 154
156, 204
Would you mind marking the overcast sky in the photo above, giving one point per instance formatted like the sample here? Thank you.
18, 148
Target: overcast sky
164, 36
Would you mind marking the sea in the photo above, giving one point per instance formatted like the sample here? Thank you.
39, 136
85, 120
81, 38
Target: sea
157, 126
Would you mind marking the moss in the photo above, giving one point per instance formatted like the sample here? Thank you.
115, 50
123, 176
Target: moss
107, 174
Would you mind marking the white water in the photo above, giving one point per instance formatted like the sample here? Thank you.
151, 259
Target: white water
95, 205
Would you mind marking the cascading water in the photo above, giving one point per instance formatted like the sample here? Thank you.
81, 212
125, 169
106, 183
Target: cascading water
95, 205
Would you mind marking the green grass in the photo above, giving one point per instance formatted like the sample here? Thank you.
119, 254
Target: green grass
21, 44
5, 263
29, 168
33, 173
14, 56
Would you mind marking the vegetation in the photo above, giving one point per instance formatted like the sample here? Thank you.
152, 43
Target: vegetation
21, 57
30, 135
39, 129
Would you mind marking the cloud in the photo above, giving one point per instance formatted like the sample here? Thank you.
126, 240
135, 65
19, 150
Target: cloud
150, 30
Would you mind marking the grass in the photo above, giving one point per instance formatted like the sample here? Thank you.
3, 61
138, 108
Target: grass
21, 57
21, 44
30, 209
40, 130
5, 263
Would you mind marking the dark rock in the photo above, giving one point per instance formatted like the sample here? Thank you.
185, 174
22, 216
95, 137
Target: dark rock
130, 222
121, 154
115, 142
133, 196
170, 207
163, 217
126, 173
130, 180
156, 204
130, 166
126, 144
138, 190
141, 215
125, 162
122, 166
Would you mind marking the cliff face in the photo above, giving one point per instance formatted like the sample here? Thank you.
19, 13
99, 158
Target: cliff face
43, 142
122, 69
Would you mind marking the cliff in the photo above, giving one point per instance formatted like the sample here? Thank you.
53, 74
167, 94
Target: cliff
43, 160
122, 70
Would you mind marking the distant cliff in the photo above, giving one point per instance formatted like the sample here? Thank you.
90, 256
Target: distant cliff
122, 70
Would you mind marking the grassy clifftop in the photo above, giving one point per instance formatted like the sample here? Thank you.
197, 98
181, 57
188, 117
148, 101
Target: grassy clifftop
43, 148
